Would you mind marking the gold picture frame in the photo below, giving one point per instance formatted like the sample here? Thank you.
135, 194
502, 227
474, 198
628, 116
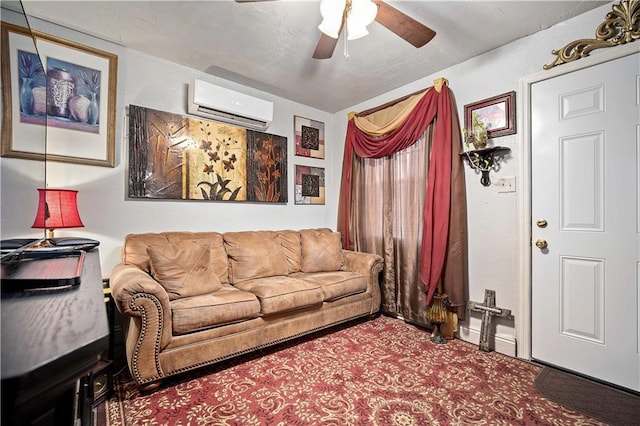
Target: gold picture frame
74, 125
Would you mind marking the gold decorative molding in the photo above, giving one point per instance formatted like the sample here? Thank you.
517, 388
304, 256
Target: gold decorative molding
621, 26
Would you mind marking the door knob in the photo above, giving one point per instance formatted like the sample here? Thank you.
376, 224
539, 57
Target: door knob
541, 223
541, 244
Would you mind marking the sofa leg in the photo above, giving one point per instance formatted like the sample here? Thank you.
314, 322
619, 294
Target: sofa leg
149, 387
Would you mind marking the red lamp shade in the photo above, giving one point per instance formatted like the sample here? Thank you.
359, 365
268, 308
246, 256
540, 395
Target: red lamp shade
57, 208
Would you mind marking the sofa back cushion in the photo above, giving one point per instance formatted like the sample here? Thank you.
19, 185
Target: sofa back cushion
183, 268
321, 250
254, 254
290, 242
216, 246
134, 251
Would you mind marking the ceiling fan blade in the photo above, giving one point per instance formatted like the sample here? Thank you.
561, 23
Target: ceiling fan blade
325, 47
406, 27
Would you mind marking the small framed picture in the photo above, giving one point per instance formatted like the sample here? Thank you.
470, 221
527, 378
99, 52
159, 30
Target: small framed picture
309, 136
309, 185
498, 114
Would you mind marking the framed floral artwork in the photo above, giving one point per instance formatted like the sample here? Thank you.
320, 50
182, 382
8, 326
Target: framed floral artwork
309, 185
64, 92
309, 136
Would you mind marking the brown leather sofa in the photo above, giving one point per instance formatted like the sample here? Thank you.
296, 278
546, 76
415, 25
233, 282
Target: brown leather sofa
194, 299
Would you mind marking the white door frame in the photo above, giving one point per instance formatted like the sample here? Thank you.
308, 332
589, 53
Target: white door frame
523, 323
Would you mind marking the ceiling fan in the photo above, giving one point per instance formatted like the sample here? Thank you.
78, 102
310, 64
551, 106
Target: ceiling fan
394, 20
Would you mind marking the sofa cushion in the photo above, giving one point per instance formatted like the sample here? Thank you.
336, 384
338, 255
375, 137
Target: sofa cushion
337, 284
254, 254
225, 306
184, 268
321, 250
281, 294
290, 242
216, 244
134, 250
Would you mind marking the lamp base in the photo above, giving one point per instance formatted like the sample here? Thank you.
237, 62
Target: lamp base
44, 243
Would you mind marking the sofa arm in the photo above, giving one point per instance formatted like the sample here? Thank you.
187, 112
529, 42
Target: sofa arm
369, 265
146, 302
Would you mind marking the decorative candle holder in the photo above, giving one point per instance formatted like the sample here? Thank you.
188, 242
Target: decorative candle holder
437, 315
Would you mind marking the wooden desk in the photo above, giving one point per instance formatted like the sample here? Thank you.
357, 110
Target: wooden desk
50, 340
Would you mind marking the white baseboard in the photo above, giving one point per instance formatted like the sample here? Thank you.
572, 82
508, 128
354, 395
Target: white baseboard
505, 344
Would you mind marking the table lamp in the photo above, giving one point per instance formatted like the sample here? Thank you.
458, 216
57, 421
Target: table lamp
57, 208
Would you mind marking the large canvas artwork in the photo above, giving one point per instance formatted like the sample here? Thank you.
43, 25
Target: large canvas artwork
180, 157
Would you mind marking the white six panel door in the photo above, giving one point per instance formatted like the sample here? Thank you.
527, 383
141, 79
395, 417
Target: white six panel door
585, 154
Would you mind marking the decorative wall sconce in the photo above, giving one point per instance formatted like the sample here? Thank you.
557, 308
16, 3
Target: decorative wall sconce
484, 160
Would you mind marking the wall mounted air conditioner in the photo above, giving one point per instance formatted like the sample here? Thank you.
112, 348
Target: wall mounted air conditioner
228, 106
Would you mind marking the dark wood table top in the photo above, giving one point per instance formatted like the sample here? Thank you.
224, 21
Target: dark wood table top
50, 337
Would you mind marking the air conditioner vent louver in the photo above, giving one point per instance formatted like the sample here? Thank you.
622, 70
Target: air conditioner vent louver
233, 118
221, 104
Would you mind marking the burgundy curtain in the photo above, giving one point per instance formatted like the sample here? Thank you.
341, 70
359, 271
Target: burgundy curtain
434, 107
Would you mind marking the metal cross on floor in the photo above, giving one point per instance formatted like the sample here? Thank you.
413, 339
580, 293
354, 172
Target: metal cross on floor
488, 310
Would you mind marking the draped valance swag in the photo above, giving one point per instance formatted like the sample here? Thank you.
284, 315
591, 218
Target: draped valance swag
393, 128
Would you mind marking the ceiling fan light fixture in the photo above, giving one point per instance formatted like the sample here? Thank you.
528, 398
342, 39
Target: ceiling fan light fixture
360, 13
355, 30
332, 11
353, 16
363, 12
330, 27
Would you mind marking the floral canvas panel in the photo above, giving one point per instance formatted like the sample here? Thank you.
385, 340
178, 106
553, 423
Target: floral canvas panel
309, 136
267, 162
309, 185
183, 157
217, 163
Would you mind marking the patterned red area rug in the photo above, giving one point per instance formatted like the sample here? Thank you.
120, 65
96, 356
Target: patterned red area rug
378, 372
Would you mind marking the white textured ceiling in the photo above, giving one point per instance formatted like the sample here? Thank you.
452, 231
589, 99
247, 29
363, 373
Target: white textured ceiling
268, 45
